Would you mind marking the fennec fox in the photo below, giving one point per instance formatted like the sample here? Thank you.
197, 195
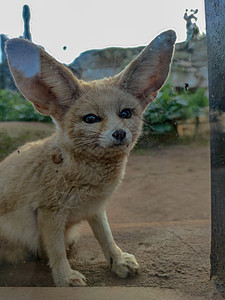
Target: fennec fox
48, 186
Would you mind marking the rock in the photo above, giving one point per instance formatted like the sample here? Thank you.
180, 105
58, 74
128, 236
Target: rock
189, 63
3, 40
97, 64
6, 81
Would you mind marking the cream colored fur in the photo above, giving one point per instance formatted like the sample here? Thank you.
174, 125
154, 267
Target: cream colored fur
50, 185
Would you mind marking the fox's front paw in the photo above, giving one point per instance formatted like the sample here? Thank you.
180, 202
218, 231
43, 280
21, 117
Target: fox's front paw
125, 265
74, 278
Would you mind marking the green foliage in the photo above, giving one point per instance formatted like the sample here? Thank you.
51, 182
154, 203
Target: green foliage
196, 102
13, 107
162, 116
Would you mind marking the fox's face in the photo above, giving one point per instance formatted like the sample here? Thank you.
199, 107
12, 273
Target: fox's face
102, 115
104, 118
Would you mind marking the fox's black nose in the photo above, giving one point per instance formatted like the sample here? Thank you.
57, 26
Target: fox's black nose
119, 135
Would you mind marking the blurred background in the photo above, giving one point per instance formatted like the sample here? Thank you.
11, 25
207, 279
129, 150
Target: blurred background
166, 189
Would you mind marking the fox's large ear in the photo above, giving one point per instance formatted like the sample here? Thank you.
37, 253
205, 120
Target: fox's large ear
145, 75
49, 85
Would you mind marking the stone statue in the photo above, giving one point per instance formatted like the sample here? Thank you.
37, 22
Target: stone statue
26, 18
192, 28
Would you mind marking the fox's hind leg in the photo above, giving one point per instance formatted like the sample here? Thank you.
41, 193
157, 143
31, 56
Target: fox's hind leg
72, 236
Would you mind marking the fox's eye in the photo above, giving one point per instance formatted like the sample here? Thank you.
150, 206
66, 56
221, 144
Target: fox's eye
91, 118
125, 113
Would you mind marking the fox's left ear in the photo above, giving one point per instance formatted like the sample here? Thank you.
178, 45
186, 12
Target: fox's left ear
145, 75
50, 86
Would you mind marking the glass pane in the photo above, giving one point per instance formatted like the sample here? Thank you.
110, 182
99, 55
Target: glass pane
161, 210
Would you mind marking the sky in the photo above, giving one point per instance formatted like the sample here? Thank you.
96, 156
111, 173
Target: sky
96, 24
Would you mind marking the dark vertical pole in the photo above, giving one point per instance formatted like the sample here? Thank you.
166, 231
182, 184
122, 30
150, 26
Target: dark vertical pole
215, 26
26, 19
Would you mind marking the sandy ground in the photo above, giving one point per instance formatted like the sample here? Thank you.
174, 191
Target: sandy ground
160, 213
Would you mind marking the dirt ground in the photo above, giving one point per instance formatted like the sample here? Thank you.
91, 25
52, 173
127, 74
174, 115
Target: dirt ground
160, 213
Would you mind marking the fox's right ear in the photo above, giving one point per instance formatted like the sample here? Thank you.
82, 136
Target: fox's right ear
49, 85
145, 75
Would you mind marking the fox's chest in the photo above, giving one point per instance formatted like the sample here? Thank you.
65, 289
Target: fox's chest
88, 200
85, 188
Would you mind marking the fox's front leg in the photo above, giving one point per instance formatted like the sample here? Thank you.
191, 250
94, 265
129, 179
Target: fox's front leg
123, 264
52, 227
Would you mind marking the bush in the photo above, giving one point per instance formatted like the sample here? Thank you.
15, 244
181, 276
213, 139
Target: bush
162, 116
14, 107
